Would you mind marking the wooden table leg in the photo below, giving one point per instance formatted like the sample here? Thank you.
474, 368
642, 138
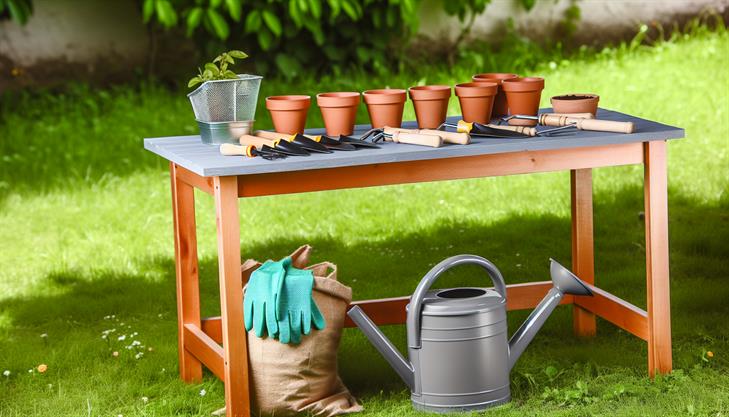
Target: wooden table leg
186, 271
656, 246
237, 400
583, 256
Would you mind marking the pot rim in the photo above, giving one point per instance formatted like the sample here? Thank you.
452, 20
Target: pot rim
288, 102
429, 92
523, 84
586, 97
385, 96
495, 77
338, 99
479, 89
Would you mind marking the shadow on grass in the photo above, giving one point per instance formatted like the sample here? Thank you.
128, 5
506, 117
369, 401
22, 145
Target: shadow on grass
519, 245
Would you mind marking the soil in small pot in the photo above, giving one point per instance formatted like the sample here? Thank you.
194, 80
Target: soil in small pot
575, 103
288, 113
477, 101
501, 108
385, 106
339, 111
431, 104
522, 96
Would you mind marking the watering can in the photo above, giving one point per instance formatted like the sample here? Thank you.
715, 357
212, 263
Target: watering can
459, 356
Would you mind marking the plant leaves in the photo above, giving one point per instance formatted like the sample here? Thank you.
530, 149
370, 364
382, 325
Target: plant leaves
215, 3
265, 39
147, 10
194, 81
253, 21
315, 7
166, 14
193, 20
238, 54
212, 68
295, 13
235, 9
220, 26
273, 23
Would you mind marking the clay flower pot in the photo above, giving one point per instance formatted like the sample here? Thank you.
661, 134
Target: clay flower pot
477, 101
385, 106
431, 104
500, 106
339, 111
522, 95
288, 113
575, 103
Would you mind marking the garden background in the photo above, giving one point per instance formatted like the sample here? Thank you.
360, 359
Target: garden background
86, 252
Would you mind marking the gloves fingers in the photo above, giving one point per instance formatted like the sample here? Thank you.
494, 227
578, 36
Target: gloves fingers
306, 320
295, 319
248, 312
284, 330
258, 319
317, 317
271, 323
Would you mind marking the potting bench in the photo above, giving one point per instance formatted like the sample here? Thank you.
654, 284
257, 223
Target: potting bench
219, 343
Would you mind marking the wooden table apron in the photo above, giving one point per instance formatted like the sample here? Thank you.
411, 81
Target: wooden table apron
219, 343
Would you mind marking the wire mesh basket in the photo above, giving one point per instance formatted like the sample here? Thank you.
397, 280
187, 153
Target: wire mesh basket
226, 100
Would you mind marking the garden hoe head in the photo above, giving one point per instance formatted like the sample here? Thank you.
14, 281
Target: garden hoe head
332, 143
357, 142
296, 139
279, 145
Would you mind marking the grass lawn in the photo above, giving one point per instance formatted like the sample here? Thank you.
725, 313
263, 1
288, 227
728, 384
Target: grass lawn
85, 226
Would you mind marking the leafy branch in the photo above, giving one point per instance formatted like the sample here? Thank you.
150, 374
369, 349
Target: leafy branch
218, 69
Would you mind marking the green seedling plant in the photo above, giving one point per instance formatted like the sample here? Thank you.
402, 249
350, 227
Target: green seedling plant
218, 69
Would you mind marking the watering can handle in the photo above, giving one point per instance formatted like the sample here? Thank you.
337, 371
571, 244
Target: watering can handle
416, 301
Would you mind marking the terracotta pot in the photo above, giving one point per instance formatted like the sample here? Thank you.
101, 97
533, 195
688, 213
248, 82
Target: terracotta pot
288, 113
431, 104
522, 95
575, 103
500, 106
339, 111
477, 100
385, 106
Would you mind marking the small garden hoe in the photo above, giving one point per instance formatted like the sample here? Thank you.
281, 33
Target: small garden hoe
250, 151
279, 145
298, 139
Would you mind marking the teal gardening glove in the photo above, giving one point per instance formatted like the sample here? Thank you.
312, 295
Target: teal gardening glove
296, 307
260, 299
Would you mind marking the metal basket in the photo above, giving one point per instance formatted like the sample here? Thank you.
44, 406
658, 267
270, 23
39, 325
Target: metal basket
226, 100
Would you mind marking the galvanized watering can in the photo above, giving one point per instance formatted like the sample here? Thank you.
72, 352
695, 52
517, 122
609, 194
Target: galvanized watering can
460, 358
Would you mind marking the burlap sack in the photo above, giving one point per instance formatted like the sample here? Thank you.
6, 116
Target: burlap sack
290, 379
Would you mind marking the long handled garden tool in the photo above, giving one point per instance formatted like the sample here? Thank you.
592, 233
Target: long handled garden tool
578, 123
458, 138
279, 145
332, 143
386, 133
358, 142
298, 139
497, 131
250, 151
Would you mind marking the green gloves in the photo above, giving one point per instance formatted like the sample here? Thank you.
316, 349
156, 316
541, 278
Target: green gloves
296, 307
279, 297
259, 301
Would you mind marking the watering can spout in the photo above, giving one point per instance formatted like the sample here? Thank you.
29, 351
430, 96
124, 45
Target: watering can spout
403, 368
564, 282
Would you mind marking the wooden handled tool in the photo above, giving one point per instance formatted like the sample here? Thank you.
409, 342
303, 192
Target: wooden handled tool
587, 124
458, 138
257, 141
524, 130
249, 151
578, 115
395, 135
274, 135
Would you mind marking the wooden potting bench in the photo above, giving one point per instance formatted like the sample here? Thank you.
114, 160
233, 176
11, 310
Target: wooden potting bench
219, 343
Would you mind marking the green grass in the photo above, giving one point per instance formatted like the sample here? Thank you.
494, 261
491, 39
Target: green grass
86, 229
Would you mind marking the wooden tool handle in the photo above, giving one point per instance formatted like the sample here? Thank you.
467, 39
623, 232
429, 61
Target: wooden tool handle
588, 124
524, 130
273, 135
417, 139
447, 137
256, 141
229, 149
577, 115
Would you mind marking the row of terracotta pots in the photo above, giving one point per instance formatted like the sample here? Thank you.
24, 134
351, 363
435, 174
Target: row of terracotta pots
487, 95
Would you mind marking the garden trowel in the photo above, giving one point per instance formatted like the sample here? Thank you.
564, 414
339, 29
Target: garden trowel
332, 143
298, 139
357, 142
279, 145
250, 151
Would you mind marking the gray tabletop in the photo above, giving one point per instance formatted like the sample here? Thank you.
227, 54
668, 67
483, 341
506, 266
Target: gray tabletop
205, 160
